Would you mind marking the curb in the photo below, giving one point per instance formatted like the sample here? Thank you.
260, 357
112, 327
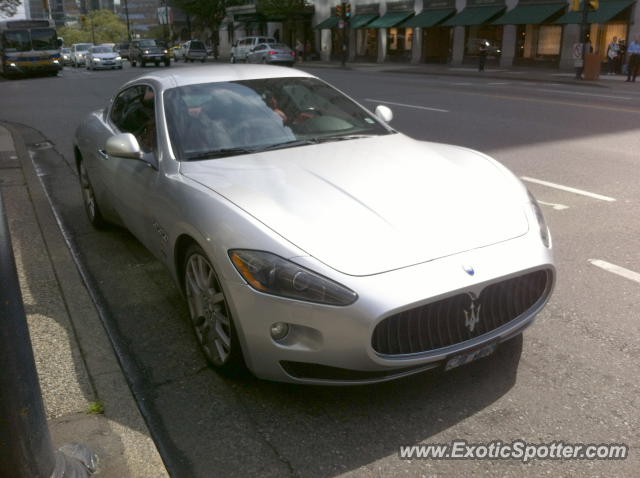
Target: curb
413, 70
136, 454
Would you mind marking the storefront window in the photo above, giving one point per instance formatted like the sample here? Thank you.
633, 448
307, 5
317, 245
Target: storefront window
399, 41
549, 38
367, 42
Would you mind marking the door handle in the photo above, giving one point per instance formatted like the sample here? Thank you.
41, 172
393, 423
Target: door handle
103, 154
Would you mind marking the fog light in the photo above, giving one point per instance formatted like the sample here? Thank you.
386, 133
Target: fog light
279, 330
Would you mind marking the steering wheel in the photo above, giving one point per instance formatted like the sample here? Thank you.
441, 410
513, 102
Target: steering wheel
306, 114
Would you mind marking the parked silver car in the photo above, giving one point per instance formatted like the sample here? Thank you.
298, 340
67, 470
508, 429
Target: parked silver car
243, 46
272, 54
314, 243
103, 57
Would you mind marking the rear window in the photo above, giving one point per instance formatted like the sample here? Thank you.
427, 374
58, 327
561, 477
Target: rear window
197, 45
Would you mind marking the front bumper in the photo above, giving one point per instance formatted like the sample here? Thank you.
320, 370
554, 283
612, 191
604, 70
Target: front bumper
17, 67
154, 57
333, 345
105, 65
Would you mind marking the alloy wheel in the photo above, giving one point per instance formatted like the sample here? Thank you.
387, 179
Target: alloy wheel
208, 308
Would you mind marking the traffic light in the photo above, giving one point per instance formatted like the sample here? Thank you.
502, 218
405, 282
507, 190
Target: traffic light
594, 4
347, 8
339, 10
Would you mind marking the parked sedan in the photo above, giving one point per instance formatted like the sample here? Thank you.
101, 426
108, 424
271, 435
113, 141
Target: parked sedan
313, 242
272, 54
103, 57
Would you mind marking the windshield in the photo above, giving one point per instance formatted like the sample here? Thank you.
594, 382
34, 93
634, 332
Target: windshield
146, 43
83, 46
101, 49
44, 39
278, 46
66, 50
221, 119
17, 40
197, 45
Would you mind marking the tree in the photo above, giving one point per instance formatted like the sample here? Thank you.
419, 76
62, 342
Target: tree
99, 26
9, 8
206, 14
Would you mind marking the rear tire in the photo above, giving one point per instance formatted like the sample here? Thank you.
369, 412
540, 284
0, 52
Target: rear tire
133, 63
232, 59
167, 63
210, 315
143, 63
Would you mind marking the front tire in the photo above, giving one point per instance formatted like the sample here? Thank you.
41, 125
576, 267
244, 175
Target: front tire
232, 59
89, 199
133, 63
210, 315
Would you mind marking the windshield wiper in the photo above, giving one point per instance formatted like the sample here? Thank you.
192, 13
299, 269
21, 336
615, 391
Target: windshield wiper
287, 144
220, 153
325, 139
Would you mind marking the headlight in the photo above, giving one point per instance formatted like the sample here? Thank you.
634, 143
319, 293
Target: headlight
544, 230
118, 58
96, 59
56, 61
146, 52
274, 275
166, 51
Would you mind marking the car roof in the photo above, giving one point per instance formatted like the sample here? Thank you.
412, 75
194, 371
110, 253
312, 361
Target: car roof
219, 73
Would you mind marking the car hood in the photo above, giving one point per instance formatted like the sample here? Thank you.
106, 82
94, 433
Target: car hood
105, 56
152, 49
367, 206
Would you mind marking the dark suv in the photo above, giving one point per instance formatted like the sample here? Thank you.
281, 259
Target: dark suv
148, 51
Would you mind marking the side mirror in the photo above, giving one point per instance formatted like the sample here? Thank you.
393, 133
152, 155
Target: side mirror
123, 145
384, 113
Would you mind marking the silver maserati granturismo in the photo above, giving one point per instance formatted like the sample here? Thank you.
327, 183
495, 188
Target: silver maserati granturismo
312, 241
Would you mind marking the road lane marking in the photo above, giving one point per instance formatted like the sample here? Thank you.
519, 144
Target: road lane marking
499, 83
557, 207
568, 189
584, 94
614, 269
407, 106
462, 84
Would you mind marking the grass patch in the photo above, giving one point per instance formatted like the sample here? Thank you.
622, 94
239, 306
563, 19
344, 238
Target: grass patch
96, 408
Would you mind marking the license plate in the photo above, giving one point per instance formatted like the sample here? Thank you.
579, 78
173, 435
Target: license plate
465, 358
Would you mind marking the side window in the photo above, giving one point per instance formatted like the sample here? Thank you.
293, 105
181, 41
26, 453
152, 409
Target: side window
260, 47
134, 112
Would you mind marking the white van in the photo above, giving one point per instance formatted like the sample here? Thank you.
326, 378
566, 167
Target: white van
242, 47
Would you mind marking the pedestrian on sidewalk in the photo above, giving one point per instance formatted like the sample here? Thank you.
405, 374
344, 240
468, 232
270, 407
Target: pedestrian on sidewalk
634, 59
482, 54
299, 50
577, 59
613, 50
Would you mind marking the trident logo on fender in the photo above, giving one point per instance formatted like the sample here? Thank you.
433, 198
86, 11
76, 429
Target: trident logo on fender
472, 316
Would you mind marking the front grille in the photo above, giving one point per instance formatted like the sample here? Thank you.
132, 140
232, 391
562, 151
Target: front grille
450, 321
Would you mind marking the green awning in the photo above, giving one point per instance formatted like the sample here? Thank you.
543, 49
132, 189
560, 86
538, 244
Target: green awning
606, 12
330, 22
390, 20
609, 10
429, 18
474, 16
361, 21
530, 14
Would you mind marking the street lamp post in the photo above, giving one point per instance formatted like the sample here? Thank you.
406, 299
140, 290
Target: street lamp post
126, 15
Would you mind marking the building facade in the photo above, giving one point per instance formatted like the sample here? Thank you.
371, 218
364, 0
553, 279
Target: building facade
514, 32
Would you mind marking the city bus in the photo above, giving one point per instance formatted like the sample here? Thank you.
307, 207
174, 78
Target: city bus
29, 46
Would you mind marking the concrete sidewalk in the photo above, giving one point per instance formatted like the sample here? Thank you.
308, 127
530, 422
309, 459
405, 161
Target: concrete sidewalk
86, 396
543, 75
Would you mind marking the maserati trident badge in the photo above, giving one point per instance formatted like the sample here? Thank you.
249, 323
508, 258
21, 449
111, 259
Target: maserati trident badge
472, 316
468, 269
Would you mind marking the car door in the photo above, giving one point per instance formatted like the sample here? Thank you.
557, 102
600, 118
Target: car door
129, 180
255, 56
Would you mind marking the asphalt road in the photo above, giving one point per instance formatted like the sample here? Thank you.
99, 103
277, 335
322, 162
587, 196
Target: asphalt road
572, 378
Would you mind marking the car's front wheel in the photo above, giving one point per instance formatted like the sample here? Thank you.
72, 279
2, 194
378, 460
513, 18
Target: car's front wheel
89, 199
210, 314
